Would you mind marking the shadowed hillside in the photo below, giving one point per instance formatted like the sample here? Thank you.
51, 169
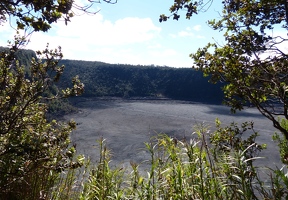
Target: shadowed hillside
102, 79
128, 81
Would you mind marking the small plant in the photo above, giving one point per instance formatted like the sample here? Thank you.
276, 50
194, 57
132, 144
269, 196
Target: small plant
103, 182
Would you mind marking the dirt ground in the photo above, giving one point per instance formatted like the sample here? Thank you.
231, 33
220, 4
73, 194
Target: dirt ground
127, 124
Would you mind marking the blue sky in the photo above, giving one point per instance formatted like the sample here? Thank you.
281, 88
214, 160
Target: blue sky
128, 32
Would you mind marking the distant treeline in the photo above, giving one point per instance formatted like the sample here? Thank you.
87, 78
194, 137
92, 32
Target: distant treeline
23, 56
120, 80
102, 79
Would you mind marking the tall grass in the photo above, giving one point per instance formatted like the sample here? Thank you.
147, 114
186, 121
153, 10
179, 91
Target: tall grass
218, 165
207, 166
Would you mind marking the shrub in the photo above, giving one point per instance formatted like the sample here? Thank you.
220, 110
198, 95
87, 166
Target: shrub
33, 151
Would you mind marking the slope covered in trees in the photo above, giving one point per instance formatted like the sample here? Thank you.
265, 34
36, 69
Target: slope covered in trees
120, 80
102, 79
24, 56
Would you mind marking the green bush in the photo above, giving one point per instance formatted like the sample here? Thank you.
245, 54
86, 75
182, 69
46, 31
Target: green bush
33, 150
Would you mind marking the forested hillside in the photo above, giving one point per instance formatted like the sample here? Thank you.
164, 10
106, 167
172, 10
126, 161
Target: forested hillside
102, 79
23, 56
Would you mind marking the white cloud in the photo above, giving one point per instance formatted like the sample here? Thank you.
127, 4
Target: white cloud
163, 53
200, 37
129, 40
281, 37
94, 38
189, 32
197, 28
154, 46
7, 32
283, 45
98, 31
185, 34
173, 35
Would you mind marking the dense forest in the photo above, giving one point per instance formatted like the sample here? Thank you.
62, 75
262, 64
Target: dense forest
121, 80
102, 79
127, 81
23, 56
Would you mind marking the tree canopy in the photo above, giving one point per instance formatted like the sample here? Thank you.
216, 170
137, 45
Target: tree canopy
103, 79
39, 15
252, 63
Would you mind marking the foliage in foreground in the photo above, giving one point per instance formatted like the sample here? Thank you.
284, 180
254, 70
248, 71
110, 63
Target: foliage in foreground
33, 150
39, 15
208, 166
252, 61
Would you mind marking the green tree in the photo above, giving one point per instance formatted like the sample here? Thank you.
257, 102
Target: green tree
33, 150
39, 15
251, 63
